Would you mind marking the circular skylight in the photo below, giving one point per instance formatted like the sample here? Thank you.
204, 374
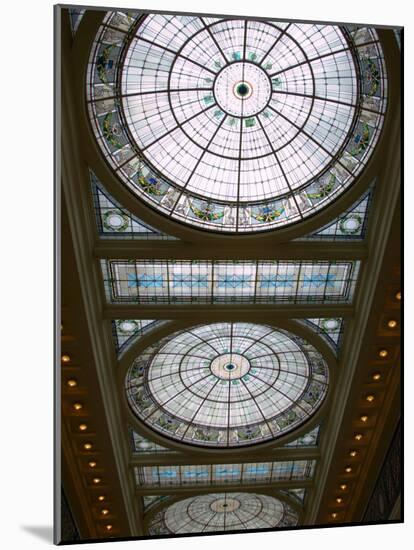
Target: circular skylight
223, 512
235, 125
227, 384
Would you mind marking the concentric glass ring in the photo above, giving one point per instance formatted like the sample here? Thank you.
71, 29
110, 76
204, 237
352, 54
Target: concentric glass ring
223, 512
227, 384
236, 125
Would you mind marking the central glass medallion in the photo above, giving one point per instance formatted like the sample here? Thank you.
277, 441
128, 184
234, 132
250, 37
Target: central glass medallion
242, 89
230, 366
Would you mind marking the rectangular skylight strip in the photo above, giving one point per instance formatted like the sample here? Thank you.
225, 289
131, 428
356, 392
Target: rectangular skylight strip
250, 473
213, 282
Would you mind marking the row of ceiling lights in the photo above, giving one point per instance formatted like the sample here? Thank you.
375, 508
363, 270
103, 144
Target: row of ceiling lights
370, 398
88, 446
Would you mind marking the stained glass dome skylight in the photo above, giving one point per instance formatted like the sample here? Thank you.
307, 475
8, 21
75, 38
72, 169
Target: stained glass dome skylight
235, 125
223, 512
227, 384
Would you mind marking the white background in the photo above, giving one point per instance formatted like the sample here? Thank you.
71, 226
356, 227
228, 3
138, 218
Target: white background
26, 356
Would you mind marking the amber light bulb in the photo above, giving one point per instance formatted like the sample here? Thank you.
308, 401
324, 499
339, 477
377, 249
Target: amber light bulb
72, 382
77, 406
65, 358
383, 353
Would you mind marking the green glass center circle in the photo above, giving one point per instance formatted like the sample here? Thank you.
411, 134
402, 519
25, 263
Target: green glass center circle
243, 89
230, 367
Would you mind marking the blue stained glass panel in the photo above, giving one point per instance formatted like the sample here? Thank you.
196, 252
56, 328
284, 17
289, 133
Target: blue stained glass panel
182, 281
251, 473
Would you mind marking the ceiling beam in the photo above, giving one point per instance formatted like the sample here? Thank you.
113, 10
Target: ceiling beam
208, 312
159, 250
171, 459
228, 487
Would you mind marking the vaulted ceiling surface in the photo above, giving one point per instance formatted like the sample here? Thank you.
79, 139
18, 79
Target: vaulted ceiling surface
122, 473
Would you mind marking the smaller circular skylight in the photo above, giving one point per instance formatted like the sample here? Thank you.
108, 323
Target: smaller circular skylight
223, 512
227, 384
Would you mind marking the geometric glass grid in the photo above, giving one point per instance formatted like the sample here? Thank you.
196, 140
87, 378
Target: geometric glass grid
227, 384
208, 474
151, 500
128, 331
225, 281
330, 329
309, 439
235, 125
297, 494
75, 18
349, 226
142, 445
116, 222
223, 512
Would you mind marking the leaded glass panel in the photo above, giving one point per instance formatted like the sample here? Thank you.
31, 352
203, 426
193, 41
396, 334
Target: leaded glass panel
116, 222
75, 18
128, 331
206, 282
142, 445
309, 439
330, 329
349, 226
249, 473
